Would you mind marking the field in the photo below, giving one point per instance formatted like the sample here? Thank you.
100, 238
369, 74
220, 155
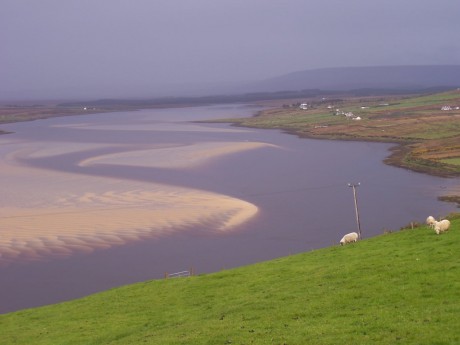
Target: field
428, 137
398, 288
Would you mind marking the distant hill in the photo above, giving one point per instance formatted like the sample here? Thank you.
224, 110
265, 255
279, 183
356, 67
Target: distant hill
308, 83
353, 78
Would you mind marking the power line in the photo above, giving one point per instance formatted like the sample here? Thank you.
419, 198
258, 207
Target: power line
291, 190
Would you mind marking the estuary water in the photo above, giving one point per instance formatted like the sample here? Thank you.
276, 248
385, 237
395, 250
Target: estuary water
101, 200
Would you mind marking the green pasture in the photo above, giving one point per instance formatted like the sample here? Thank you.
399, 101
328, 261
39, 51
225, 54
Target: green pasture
440, 99
401, 287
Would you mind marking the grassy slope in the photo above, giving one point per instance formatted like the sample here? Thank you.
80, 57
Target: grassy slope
398, 288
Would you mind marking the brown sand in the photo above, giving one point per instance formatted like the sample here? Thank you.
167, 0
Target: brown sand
46, 214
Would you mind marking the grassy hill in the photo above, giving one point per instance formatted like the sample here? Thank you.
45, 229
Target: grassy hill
397, 288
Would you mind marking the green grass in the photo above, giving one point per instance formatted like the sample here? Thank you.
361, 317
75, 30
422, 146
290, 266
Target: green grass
398, 288
453, 161
432, 99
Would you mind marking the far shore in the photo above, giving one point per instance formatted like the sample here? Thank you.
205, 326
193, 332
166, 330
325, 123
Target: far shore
426, 137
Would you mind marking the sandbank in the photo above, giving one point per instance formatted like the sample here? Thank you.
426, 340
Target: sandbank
48, 213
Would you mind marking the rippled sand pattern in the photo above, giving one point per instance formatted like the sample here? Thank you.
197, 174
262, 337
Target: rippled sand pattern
175, 156
46, 213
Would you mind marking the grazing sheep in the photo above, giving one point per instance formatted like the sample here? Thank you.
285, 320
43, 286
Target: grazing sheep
441, 226
348, 238
430, 221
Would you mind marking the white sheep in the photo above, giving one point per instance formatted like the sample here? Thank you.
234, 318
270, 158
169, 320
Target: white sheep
430, 221
348, 238
441, 226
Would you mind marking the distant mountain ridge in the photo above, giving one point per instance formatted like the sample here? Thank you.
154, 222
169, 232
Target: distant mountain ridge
352, 78
308, 83
365, 80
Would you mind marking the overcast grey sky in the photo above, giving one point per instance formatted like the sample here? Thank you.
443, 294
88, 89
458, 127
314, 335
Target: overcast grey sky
72, 48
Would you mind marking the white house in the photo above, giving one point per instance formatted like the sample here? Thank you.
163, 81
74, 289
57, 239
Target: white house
304, 106
446, 107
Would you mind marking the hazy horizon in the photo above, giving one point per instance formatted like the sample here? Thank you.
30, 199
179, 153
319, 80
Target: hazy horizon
102, 48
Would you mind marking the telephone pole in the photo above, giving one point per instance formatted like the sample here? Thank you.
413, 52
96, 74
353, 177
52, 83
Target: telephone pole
354, 185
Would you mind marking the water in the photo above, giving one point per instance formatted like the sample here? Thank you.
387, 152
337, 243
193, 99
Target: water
298, 185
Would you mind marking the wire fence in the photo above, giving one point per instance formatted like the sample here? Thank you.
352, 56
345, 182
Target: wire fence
181, 274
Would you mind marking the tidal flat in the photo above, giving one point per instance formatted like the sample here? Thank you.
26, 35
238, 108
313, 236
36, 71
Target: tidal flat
97, 201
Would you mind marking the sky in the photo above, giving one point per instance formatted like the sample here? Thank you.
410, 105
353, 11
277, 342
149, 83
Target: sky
112, 48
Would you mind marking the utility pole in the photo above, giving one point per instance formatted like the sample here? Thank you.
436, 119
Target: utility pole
354, 185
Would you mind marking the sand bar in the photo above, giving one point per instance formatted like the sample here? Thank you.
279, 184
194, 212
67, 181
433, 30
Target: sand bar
47, 213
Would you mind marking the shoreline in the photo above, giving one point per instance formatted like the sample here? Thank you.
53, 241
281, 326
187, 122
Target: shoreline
407, 123
396, 151
394, 158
